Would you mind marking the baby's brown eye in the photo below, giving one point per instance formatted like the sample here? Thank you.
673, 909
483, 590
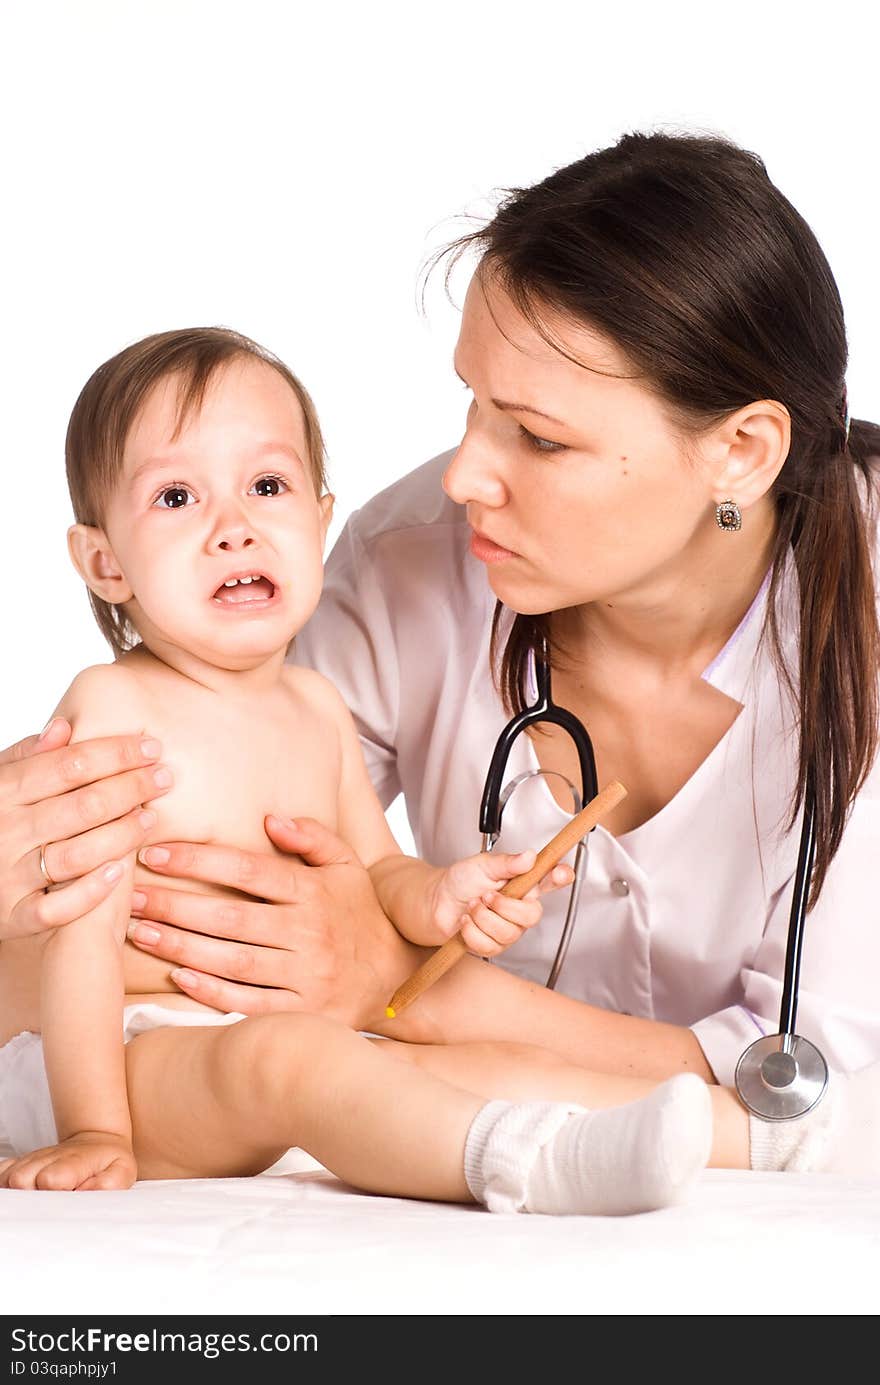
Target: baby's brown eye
269, 486
174, 498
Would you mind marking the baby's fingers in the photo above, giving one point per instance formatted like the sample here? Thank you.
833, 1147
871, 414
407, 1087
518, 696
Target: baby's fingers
507, 865
475, 940
119, 1175
494, 906
557, 878
23, 1173
56, 1171
495, 922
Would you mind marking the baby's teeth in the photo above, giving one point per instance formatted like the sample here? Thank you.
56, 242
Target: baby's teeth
233, 582
245, 580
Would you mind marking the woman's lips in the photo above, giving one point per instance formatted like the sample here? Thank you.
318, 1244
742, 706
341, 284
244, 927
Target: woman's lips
487, 551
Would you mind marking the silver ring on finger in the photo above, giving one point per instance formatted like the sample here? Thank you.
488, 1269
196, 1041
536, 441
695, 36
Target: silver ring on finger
50, 883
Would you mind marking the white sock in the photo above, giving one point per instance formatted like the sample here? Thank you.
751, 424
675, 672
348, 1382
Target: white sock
840, 1135
540, 1156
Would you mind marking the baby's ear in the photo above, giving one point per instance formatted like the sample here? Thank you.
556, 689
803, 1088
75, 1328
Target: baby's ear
95, 561
326, 504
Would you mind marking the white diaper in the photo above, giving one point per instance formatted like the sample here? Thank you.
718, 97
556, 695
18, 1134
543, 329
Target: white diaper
26, 1118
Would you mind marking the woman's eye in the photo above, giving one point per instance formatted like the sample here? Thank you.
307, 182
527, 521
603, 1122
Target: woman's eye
174, 498
540, 444
269, 486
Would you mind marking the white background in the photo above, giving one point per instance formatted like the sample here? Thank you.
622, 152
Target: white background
285, 169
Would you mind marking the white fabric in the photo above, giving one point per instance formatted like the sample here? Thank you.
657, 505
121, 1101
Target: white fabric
562, 1159
296, 1243
26, 1118
502, 1147
698, 938
840, 1135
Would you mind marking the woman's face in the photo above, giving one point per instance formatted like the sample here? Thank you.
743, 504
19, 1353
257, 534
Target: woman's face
577, 487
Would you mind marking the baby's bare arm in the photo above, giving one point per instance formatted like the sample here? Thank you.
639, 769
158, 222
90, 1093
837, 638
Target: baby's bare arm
82, 990
428, 904
405, 886
81, 997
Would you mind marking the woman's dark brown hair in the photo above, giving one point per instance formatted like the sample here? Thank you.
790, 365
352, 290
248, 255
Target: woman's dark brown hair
682, 251
113, 396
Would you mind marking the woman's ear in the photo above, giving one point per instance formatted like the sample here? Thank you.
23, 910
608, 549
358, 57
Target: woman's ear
749, 450
95, 561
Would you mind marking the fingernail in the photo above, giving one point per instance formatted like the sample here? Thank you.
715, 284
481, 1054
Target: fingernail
146, 818
183, 977
46, 729
154, 855
162, 777
143, 933
138, 900
150, 749
276, 821
489, 898
112, 871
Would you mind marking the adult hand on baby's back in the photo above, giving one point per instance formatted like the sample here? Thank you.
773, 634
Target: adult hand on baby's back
81, 806
311, 936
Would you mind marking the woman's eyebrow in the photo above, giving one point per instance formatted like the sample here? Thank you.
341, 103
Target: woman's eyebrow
507, 407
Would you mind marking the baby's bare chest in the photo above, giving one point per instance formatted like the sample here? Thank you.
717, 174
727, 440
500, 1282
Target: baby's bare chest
230, 771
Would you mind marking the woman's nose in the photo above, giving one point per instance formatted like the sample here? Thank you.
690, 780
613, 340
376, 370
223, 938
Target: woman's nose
472, 475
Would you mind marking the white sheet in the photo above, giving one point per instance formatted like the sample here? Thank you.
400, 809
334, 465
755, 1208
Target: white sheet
301, 1242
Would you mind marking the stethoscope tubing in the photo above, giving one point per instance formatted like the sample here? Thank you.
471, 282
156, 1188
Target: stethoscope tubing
800, 897
778, 1077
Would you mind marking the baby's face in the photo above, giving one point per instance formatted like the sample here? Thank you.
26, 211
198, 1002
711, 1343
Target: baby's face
231, 497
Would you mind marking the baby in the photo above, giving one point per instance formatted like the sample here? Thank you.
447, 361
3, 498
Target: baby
196, 469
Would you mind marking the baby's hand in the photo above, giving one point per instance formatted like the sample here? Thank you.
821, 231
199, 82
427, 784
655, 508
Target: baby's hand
89, 1160
467, 899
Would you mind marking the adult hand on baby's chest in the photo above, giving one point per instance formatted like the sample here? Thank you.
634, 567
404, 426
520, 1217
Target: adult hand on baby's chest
303, 934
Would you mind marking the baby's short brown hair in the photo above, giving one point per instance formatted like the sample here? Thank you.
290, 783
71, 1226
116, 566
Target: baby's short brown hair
111, 400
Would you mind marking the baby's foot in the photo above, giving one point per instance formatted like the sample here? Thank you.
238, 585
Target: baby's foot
550, 1157
632, 1158
840, 1135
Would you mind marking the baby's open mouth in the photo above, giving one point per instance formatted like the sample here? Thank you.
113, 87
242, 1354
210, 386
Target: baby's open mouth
239, 591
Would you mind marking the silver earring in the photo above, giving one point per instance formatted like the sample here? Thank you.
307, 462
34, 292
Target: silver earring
728, 516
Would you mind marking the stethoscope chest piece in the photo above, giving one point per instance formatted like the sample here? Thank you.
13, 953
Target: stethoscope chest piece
781, 1077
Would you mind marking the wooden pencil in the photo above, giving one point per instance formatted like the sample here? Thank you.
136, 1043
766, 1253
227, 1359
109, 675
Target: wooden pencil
454, 949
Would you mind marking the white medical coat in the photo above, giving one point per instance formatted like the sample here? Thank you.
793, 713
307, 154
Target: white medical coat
683, 919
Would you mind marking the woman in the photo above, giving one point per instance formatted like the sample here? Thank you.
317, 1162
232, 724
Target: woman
659, 478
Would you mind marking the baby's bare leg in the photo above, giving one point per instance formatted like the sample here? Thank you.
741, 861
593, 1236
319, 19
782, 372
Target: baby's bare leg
523, 1072
230, 1100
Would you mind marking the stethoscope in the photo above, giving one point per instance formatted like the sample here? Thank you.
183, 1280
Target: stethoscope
778, 1077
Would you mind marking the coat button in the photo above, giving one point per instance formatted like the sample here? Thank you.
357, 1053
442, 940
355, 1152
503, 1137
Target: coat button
620, 887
